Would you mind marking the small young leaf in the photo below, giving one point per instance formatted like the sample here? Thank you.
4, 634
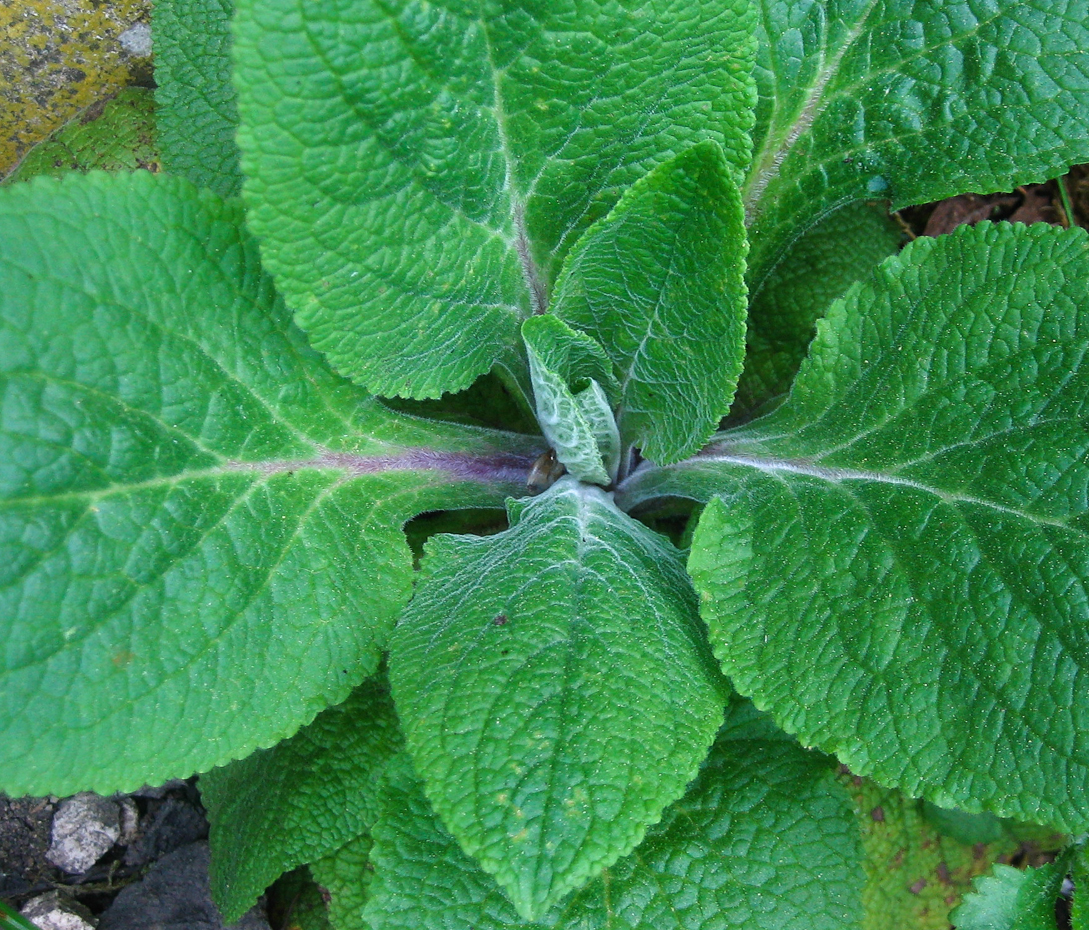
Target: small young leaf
299, 801
912, 101
197, 111
841, 249
660, 284
1013, 899
555, 689
740, 850
416, 173
916, 514
568, 370
200, 525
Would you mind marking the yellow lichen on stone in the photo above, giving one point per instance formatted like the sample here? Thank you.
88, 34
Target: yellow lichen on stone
58, 57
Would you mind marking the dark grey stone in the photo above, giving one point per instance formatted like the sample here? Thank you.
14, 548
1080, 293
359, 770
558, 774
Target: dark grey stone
172, 824
174, 895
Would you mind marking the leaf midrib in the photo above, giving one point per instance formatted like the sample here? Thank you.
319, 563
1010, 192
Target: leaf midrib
777, 146
459, 466
837, 475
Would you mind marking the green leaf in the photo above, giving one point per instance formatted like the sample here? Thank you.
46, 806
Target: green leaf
299, 801
200, 526
119, 135
916, 514
568, 370
843, 248
1079, 910
660, 284
535, 674
346, 875
417, 172
299, 903
197, 106
1013, 899
740, 850
912, 101
914, 874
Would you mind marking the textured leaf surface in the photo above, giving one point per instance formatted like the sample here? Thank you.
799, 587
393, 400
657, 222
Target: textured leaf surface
121, 137
299, 801
911, 101
197, 106
763, 839
417, 172
568, 370
200, 526
915, 874
535, 674
820, 266
346, 875
660, 284
916, 514
1013, 899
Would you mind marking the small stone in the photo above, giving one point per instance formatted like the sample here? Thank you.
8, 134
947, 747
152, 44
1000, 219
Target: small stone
53, 912
84, 828
136, 40
130, 820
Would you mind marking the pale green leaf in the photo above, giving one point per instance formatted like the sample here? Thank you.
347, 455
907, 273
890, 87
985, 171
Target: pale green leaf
197, 109
299, 801
346, 875
660, 284
537, 672
1013, 899
200, 525
568, 369
763, 840
917, 515
119, 135
912, 101
915, 875
417, 172
841, 249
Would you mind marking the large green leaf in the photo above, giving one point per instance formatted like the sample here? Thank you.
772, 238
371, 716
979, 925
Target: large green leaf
660, 283
299, 801
197, 109
537, 672
912, 101
417, 171
740, 850
200, 526
916, 515
820, 266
